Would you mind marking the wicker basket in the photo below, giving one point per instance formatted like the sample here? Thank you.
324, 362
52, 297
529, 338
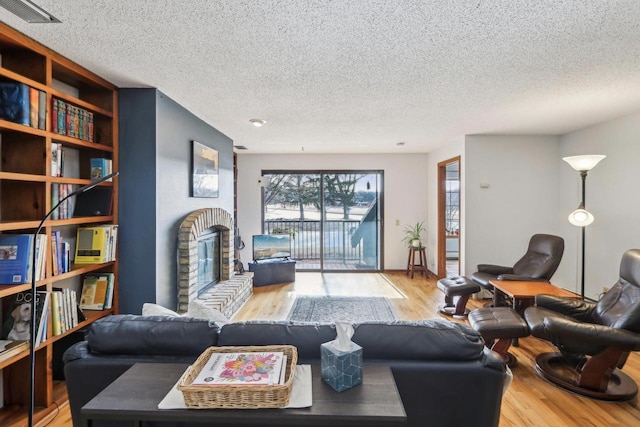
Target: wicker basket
234, 396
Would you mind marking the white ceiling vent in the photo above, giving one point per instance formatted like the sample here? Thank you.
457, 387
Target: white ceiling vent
29, 11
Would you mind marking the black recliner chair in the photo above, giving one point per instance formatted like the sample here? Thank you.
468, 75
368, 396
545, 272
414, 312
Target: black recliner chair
538, 264
594, 338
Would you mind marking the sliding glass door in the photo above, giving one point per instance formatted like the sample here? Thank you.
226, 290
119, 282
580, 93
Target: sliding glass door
333, 217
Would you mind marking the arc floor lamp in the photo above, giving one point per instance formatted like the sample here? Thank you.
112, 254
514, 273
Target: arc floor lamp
581, 217
32, 328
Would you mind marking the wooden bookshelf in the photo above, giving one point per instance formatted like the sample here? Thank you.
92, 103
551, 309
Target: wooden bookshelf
26, 193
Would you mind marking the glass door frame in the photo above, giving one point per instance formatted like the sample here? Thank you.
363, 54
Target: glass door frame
322, 172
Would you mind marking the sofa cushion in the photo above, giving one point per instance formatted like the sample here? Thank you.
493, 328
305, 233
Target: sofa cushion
307, 337
151, 335
422, 340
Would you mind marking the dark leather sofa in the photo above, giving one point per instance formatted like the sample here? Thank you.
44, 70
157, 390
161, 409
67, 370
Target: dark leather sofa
443, 372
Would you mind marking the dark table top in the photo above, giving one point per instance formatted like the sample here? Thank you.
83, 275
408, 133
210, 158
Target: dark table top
136, 393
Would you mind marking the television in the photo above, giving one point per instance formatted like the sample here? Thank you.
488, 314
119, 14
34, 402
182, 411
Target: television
271, 246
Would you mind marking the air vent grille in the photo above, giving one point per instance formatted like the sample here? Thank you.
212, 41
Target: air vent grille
29, 11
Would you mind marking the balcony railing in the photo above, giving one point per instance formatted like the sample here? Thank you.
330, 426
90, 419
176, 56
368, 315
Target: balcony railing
335, 236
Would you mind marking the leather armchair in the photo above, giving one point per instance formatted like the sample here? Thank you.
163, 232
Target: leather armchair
539, 263
594, 338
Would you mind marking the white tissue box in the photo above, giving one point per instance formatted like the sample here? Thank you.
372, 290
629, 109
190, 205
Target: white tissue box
341, 369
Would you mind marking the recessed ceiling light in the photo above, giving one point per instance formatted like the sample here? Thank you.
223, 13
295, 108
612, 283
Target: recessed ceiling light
257, 122
240, 147
399, 144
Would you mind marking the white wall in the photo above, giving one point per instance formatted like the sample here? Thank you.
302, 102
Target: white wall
611, 196
522, 198
448, 151
405, 192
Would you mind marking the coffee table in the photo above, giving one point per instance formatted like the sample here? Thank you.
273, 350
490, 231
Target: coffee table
134, 396
524, 293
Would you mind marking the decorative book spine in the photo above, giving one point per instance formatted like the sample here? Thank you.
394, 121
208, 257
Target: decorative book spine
34, 99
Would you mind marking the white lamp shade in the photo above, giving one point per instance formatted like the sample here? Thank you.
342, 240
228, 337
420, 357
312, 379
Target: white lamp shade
580, 218
584, 163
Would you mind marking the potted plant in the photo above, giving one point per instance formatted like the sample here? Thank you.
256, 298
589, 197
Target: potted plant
413, 234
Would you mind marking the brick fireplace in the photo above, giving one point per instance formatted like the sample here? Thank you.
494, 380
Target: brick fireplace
233, 290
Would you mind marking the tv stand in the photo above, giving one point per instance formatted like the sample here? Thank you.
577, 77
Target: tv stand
270, 272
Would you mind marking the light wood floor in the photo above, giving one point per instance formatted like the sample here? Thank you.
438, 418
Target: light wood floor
529, 401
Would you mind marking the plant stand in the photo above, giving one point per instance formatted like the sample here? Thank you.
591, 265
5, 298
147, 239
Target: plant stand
421, 266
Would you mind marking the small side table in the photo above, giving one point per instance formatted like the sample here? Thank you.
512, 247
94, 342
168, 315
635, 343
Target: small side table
421, 266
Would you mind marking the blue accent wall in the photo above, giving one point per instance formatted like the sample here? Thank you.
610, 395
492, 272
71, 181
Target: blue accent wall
156, 135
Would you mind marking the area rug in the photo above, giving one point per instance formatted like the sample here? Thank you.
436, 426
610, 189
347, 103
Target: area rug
347, 309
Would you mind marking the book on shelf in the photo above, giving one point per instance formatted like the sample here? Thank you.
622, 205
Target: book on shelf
68, 119
59, 192
56, 159
15, 258
66, 256
54, 253
101, 167
17, 321
108, 302
95, 291
14, 102
96, 245
34, 99
42, 109
70, 162
41, 333
56, 327
10, 348
59, 254
245, 368
64, 310
41, 243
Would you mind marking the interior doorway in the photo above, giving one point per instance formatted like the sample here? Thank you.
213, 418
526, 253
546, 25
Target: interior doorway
449, 217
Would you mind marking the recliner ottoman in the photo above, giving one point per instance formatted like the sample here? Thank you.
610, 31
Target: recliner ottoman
499, 326
460, 288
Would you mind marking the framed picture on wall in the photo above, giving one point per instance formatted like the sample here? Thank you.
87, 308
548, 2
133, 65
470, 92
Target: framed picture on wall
204, 171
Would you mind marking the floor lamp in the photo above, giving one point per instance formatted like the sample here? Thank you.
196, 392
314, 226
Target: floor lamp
32, 328
581, 217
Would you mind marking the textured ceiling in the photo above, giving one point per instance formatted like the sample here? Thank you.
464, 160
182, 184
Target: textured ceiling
362, 75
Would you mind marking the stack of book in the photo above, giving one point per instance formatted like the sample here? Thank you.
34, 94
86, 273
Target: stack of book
67, 119
59, 155
60, 254
22, 104
66, 209
16, 258
97, 291
100, 168
64, 310
96, 245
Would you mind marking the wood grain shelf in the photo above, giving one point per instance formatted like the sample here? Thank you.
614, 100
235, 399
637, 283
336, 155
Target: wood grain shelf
27, 193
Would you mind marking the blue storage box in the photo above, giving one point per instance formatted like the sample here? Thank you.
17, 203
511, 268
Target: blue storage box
341, 369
